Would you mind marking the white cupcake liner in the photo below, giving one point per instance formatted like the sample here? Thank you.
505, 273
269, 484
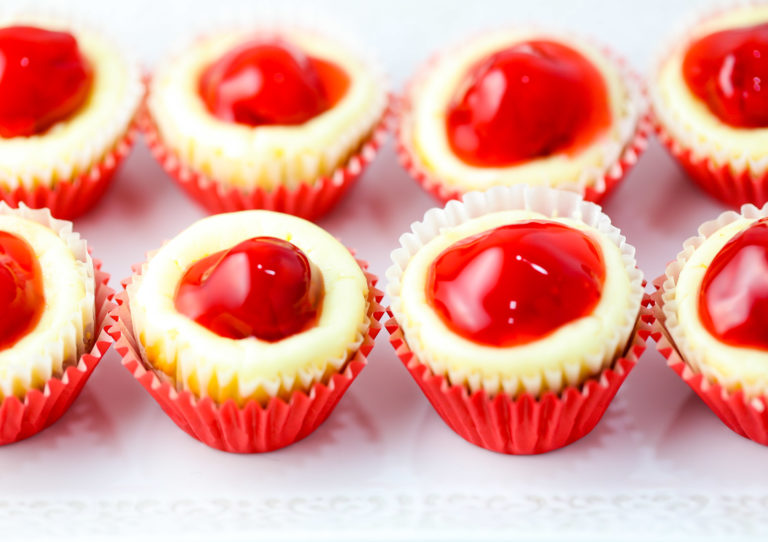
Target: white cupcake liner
671, 323
703, 156
49, 170
551, 203
301, 166
73, 338
594, 182
283, 385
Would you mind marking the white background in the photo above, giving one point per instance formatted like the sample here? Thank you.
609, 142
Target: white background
384, 466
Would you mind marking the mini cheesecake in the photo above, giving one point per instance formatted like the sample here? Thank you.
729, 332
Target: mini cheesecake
250, 306
711, 103
68, 97
716, 304
520, 107
47, 306
515, 300
518, 312
265, 108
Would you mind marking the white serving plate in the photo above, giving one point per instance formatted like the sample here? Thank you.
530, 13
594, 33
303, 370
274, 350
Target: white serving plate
384, 466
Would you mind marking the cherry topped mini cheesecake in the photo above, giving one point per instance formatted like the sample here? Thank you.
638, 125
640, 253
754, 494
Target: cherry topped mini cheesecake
256, 111
717, 311
54, 302
522, 107
249, 306
711, 103
254, 312
515, 295
67, 101
47, 306
712, 312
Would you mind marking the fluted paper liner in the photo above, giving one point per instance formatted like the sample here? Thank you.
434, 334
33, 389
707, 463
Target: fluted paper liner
70, 198
69, 189
22, 418
593, 186
253, 427
524, 424
311, 199
734, 187
733, 179
746, 414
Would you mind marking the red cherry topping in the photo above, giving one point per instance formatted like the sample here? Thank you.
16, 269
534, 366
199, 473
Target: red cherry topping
728, 70
517, 283
43, 79
21, 289
262, 83
263, 287
531, 100
733, 300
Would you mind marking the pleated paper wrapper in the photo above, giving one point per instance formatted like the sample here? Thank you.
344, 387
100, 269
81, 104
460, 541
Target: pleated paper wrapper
746, 417
732, 186
524, 424
70, 198
311, 199
22, 418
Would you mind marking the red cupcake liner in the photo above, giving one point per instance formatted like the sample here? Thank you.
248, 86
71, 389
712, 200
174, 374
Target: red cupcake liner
631, 153
720, 182
22, 418
747, 417
70, 198
310, 200
524, 424
253, 427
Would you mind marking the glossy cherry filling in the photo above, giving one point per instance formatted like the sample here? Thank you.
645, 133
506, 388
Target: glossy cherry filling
271, 83
531, 100
516, 283
728, 71
44, 79
263, 287
22, 300
733, 299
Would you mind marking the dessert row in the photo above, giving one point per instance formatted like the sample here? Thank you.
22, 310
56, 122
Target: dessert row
282, 118
518, 311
